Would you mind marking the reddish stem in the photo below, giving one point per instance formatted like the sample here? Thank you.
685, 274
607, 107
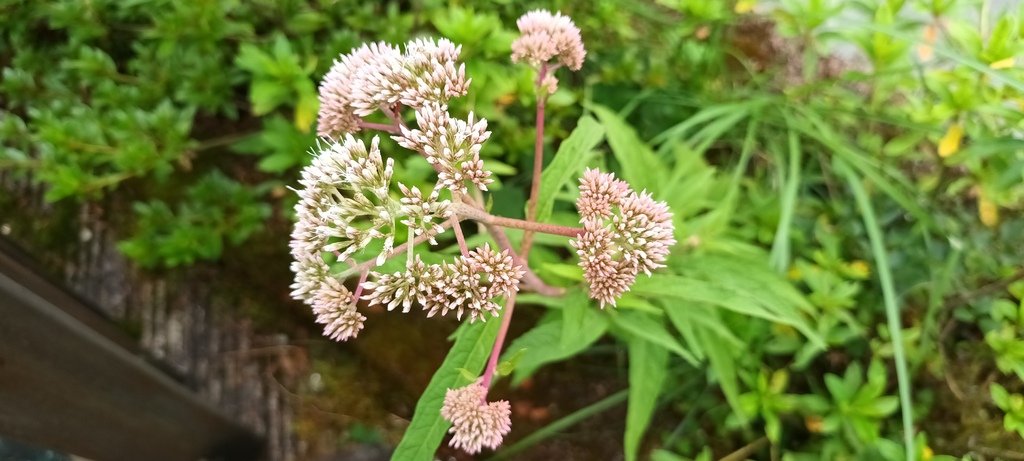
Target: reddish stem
393, 129
499, 341
359, 285
458, 236
538, 160
470, 212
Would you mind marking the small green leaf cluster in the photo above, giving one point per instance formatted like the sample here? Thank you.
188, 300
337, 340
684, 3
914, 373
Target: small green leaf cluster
215, 212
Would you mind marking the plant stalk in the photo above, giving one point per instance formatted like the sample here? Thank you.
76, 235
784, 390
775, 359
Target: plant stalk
393, 129
499, 341
538, 160
464, 210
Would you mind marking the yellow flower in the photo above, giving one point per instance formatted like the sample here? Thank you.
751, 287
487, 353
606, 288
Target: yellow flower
744, 6
858, 269
1003, 63
988, 212
950, 142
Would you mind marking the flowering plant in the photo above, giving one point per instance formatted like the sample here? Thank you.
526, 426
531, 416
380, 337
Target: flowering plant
347, 201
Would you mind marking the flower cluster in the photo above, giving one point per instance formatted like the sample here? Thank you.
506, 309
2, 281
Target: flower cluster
476, 423
470, 285
379, 76
545, 36
624, 233
345, 203
451, 145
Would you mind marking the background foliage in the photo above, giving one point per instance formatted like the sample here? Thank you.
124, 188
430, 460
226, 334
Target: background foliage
847, 179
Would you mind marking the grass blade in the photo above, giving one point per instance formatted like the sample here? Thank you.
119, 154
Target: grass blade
892, 310
562, 424
780, 255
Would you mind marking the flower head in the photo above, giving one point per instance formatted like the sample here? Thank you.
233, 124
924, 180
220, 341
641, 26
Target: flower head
401, 288
337, 90
476, 423
599, 192
545, 36
378, 76
352, 183
344, 204
624, 233
335, 308
423, 215
451, 145
471, 282
608, 277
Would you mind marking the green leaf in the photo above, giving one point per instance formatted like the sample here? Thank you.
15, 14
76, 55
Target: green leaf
653, 330
266, 95
427, 429
506, 367
575, 315
640, 167
1000, 396
780, 256
543, 344
648, 368
726, 293
573, 154
566, 271
723, 363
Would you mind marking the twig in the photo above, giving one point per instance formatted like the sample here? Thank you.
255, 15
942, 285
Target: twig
458, 235
393, 129
359, 285
393, 115
538, 160
499, 341
471, 212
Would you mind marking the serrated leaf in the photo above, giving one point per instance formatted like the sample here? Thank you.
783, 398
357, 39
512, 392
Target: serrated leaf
543, 345
648, 368
724, 366
573, 154
640, 167
427, 428
653, 330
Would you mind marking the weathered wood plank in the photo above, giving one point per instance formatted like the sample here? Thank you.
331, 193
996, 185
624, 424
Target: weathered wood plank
71, 384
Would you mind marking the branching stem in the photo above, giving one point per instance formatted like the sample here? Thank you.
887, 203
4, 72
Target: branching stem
393, 128
471, 212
